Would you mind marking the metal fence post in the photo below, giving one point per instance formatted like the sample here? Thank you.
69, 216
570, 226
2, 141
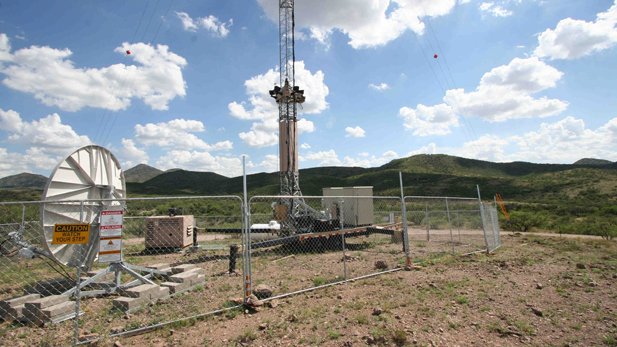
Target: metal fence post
450, 225
458, 226
482, 216
404, 212
247, 277
78, 279
341, 202
428, 235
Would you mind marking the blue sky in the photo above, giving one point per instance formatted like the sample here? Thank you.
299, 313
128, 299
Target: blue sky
514, 80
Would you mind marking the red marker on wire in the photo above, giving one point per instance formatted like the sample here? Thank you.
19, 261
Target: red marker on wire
435, 56
129, 52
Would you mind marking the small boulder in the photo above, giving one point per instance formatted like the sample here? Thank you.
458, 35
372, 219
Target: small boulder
539, 286
377, 311
580, 266
273, 303
380, 264
252, 301
262, 291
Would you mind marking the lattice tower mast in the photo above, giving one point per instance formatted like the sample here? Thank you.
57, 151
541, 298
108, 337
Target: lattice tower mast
288, 97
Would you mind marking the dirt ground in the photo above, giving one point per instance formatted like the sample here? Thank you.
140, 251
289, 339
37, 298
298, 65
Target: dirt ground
535, 290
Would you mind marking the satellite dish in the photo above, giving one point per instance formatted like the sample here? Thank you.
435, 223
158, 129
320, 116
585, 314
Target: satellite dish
91, 172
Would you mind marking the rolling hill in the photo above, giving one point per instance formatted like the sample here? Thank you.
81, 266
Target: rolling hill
23, 180
141, 173
436, 175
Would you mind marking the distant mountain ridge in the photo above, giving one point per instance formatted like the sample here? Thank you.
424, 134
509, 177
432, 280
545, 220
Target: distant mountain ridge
593, 161
141, 173
427, 172
23, 180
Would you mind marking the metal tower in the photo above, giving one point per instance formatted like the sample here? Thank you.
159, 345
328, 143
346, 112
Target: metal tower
287, 97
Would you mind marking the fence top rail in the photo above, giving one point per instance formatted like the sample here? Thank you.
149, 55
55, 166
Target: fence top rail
322, 197
121, 199
440, 197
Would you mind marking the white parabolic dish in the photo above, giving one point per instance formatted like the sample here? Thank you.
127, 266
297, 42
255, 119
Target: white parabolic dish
90, 173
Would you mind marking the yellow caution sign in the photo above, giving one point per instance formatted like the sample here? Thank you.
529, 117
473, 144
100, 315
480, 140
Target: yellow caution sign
68, 234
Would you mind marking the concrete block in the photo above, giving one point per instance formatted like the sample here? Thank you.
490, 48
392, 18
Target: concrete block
182, 268
198, 270
175, 287
16, 312
57, 311
125, 304
185, 277
144, 290
159, 266
39, 304
50, 287
160, 293
12, 308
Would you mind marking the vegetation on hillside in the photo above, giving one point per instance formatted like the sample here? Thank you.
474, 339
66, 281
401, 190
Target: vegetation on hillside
558, 198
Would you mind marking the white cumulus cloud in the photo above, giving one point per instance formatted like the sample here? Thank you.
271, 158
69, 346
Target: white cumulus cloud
131, 155
12, 163
354, 132
200, 161
367, 23
47, 133
210, 23
379, 87
52, 78
177, 134
504, 93
434, 120
494, 10
573, 39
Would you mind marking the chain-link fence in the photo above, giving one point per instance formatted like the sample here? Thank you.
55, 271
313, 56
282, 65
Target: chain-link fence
145, 259
444, 224
491, 225
151, 261
307, 242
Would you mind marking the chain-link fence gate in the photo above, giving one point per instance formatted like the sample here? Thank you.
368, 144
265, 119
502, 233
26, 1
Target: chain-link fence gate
180, 259
444, 224
491, 226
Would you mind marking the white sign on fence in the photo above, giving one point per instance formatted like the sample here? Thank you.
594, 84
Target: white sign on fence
110, 244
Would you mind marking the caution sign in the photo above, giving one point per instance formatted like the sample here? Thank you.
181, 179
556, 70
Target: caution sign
70, 234
110, 250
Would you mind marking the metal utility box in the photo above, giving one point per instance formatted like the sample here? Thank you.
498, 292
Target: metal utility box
357, 211
165, 231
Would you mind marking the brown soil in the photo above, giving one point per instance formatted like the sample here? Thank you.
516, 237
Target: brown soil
529, 292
